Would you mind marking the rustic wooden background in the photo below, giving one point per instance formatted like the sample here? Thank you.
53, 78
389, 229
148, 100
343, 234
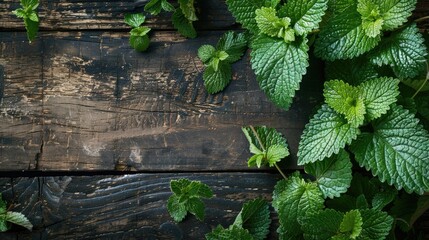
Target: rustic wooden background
79, 102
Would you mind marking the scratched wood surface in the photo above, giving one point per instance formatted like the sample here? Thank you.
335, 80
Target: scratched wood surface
125, 207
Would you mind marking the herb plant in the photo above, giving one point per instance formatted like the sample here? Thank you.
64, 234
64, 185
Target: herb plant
139, 39
8, 217
28, 12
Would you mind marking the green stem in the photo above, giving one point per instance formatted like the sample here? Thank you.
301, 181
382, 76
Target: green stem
421, 19
424, 82
280, 171
263, 149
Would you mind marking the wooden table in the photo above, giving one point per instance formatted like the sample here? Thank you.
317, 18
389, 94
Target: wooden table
92, 132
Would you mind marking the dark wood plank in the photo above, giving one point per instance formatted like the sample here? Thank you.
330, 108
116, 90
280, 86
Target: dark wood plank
109, 15
103, 103
125, 207
21, 97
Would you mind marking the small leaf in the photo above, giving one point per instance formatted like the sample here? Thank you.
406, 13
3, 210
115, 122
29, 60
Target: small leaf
176, 209
325, 134
32, 29
255, 217
216, 80
188, 9
396, 151
372, 20
33, 17
382, 199
139, 43
305, 14
279, 67
376, 224
378, 95
273, 26
234, 232
333, 175
351, 224
323, 224
345, 99
20, 13
404, 51
196, 206
134, 19
167, 6
234, 44
19, 219
343, 37
183, 25
276, 153
139, 31
206, 52
153, 7
244, 12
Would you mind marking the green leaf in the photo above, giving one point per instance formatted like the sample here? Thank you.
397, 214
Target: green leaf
404, 51
3, 205
134, 19
376, 224
4, 225
298, 199
345, 99
305, 14
176, 209
278, 189
33, 17
343, 37
154, 7
176, 186
354, 71
183, 25
372, 20
255, 217
234, 232
32, 29
279, 67
325, 134
244, 12
383, 198
321, 225
234, 44
273, 26
30, 4
395, 12
188, 9
378, 95
216, 81
19, 219
268, 145
351, 224
196, 206
20, 13
396, 151
333, 175
206, 52
140, 31
139, 43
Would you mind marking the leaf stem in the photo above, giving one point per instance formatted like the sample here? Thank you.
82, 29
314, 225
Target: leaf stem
280, 171
421, 19
424, 82
263, 149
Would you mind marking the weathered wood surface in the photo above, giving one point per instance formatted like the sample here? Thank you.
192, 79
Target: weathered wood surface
109, 15
125, 207
91, 101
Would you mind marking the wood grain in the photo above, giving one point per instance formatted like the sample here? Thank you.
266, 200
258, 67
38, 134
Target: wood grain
125, 207
103, 103
109, 15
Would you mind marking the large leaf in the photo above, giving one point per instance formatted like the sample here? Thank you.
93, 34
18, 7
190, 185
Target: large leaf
255, 217
216, 81
325, 134
305, 14
395, 12
378, 95
279, 67
376, 224
397, 151
343, 37
404, 51
333, 175
244, 12
298, 199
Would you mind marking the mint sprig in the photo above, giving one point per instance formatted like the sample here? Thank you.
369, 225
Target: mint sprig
8, 217
139, 39
28, 12
187, 198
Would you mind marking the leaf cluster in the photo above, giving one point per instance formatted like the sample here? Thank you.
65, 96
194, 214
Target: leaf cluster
8, 217
139, 39
187, 198
28, 12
